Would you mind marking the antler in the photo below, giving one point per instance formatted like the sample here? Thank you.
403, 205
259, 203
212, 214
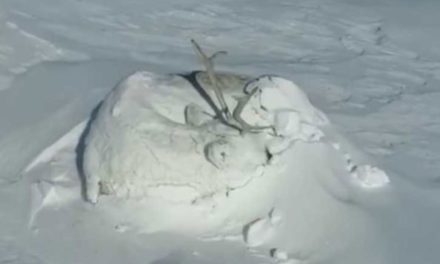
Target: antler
208, 63
234, 120
241, 103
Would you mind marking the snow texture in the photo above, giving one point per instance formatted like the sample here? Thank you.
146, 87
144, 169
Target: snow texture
361, 187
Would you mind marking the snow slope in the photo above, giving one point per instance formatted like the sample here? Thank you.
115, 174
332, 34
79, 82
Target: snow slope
374, 76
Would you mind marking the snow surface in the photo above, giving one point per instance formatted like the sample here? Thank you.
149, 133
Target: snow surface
372, 67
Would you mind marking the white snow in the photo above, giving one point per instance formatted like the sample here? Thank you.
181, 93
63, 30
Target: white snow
139, 142
354, 150
280, 254
370, 177
258, 232
141, 150
262, 230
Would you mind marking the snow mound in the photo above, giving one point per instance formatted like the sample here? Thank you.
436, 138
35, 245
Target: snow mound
141, 144
156, 141
158, 160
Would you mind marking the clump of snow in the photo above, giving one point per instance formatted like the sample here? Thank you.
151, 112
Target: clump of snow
282, 257
279, 254
365, 176
369, 177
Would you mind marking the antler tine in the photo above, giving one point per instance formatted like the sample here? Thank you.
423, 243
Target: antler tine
241, 103
209, 66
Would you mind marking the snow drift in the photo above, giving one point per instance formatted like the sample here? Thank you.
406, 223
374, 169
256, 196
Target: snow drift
157, 159
156, 143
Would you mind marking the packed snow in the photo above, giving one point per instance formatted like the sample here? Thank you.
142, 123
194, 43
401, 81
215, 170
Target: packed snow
112, 152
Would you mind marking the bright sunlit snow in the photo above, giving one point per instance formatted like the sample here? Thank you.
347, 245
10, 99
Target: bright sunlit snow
111, 149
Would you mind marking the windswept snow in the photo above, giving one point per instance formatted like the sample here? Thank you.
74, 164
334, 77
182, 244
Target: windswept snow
280, 203
372, 69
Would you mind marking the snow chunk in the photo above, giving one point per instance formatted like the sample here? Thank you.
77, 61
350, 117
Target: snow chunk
369, 177
279, 254
282, 257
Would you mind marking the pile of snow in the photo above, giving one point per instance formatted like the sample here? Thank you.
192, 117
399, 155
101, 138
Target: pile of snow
140, 145
156, 159
155, 139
